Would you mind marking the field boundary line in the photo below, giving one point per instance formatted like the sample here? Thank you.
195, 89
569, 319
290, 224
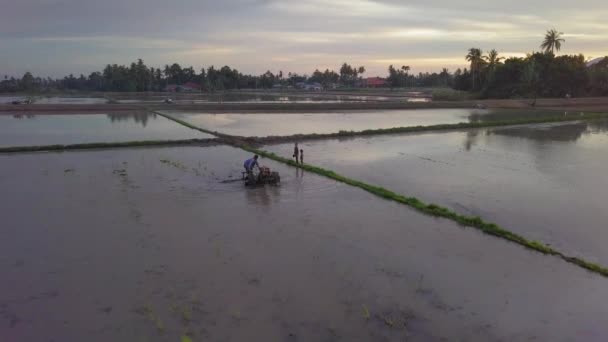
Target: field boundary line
104, 145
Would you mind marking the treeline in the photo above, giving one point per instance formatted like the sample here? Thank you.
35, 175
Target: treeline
139, 77
539, 74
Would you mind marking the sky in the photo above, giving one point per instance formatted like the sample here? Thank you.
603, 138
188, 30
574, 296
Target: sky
57, 37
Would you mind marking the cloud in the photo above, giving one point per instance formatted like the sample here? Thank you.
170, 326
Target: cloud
254, 35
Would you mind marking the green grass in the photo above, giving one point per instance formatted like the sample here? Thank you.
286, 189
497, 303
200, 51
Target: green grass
448, 94
438, 211
413, 129
44, 148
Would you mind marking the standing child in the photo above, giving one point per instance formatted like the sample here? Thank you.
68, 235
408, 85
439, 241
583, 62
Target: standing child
301, 156
296, 151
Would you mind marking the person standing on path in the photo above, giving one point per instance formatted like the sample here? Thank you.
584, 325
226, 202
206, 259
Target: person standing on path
296, 152
301, 156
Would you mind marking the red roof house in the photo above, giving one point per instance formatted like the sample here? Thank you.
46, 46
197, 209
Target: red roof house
375, 82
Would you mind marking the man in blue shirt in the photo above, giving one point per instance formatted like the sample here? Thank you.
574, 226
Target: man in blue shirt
251, 163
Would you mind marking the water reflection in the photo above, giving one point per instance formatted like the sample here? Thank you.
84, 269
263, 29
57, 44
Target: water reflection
263, 196
24, 116
559, 132
572, 131
483, 116
138, 117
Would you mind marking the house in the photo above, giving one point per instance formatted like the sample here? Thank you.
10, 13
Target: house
374, 82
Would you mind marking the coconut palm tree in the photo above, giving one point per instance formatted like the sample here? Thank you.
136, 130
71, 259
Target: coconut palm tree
492, 59
475, 56
553, 41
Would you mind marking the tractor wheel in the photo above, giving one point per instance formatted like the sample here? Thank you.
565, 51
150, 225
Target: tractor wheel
250, 181
275, 178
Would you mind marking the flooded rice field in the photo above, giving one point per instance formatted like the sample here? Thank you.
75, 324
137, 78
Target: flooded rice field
547, 182
254, 124
9, 99
153, 244
29, 130
195, 98
69, 100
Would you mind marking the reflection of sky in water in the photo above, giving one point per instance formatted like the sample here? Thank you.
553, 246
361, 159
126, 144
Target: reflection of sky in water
264, 124
260, 124
27, 130
272, 98
546, 181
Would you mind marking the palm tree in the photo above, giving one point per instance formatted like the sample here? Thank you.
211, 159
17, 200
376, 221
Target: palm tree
475, 56
492, 59
553, 41
445, 76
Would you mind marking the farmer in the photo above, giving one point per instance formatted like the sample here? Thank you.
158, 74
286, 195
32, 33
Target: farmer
296, 152
251, 163
301, 156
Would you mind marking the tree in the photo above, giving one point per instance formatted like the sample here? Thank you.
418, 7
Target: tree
27, 81
553, 41
349, 74
531, 79
475, 56
361, 70
492, 59
398, 77
445, 77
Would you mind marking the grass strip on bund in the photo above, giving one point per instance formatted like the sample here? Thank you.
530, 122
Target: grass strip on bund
87, 146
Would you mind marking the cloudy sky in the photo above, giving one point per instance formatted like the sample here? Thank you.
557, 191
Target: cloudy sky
56, 37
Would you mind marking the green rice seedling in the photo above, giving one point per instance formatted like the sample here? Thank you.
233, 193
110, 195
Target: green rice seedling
160, 327
366, 313
388, 321
186, 315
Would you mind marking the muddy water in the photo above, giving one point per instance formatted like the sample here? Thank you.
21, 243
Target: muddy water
27, 130
149, 244
546, 182
304, 123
